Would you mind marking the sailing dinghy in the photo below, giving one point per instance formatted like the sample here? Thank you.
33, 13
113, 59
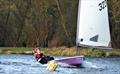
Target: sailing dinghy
92, 28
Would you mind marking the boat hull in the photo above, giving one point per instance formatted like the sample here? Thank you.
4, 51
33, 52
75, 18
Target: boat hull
73, 61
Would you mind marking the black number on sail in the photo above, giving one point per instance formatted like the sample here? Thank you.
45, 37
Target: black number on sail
102, 5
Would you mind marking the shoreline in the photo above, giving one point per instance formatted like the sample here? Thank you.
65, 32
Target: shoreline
62, 51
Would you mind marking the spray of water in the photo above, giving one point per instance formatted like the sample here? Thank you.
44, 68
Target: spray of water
88, 64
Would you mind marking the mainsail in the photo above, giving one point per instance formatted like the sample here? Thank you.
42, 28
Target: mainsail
93, 24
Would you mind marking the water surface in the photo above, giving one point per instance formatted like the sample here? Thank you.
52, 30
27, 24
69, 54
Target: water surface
26, 64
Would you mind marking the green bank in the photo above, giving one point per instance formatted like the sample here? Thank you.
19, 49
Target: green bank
63, 51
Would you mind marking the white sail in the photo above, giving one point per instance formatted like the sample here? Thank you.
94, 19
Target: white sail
93, 24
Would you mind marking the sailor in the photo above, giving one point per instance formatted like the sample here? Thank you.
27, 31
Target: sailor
40, 57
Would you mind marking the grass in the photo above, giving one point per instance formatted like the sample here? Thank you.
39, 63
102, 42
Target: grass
15, 51
63, 52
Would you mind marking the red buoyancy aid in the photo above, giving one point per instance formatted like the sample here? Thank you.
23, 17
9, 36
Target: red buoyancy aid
38, 55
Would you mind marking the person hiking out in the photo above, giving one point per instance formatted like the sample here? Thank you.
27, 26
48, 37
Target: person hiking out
40, 57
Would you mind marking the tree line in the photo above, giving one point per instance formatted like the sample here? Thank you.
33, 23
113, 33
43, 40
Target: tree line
46, 23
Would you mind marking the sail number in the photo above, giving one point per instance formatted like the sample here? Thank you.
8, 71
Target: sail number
102, 5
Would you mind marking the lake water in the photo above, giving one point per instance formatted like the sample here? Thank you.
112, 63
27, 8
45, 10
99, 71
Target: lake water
26, 64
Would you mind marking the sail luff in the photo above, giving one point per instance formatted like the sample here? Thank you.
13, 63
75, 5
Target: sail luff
78, 20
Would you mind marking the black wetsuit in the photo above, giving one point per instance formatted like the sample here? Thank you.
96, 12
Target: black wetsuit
45, 59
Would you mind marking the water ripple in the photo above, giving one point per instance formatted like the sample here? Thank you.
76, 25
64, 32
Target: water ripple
14, 63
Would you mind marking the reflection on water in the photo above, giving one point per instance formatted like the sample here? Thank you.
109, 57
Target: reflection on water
26, 64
